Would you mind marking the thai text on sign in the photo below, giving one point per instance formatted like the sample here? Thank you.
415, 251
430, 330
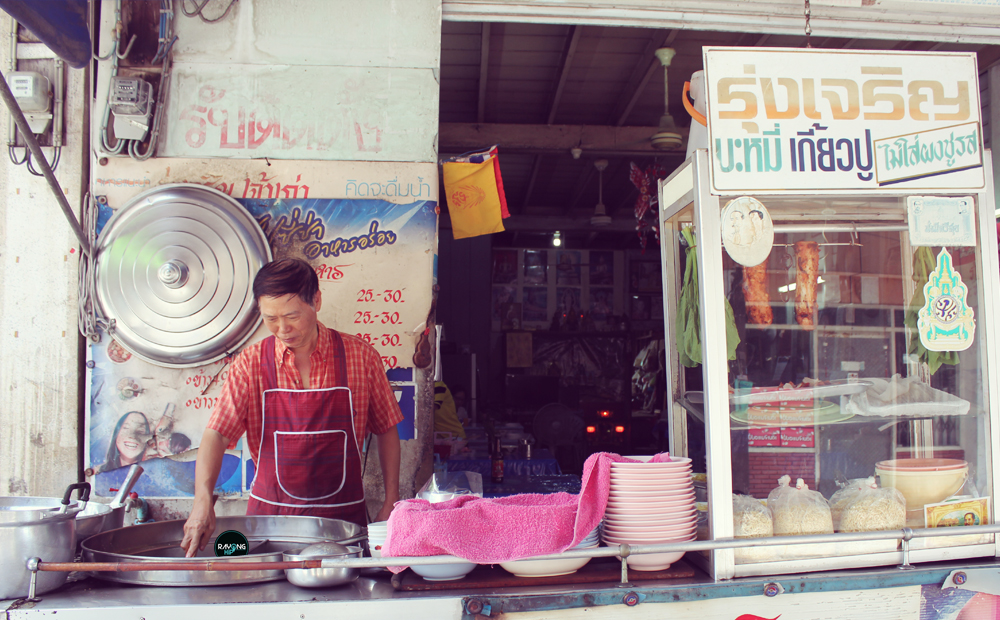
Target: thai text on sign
812, 120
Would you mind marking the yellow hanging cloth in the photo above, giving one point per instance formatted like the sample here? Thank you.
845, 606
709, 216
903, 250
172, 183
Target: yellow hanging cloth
473, 198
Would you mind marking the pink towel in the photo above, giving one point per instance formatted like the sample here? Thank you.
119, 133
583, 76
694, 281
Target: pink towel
491, 530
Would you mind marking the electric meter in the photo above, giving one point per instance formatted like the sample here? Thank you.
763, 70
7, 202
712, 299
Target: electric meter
31, 90
131, 102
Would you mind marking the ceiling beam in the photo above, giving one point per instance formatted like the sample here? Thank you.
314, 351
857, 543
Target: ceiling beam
531, 181
567, 61
563, 223
632, 83
461, 137
653, 65
582, 181
484, 66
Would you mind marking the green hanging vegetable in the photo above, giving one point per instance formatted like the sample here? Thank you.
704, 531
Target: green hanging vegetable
923, 264
688, 322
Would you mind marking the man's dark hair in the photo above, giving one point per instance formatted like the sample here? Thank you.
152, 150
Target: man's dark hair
289, 276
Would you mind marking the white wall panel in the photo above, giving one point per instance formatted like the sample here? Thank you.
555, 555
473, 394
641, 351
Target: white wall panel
962, 21
372, 33
39, 363
302, 112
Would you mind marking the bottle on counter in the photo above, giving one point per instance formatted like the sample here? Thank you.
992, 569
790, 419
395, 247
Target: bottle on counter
496, 461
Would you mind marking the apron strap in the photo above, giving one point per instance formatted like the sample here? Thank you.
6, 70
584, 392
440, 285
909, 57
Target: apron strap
269, 373
339, 359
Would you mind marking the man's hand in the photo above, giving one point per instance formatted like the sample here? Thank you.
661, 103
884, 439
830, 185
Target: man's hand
200, 525
388, 456
198, 529
383, 515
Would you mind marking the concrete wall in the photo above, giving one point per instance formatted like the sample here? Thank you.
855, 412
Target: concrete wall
311, 81
351, 81
39, 341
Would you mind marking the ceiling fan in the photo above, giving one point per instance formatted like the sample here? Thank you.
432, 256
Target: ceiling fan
600, 217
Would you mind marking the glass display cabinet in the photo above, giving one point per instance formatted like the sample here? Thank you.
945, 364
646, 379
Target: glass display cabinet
854, 359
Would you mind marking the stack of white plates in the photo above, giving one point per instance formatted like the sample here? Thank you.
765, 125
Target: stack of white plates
550, 568
650, 504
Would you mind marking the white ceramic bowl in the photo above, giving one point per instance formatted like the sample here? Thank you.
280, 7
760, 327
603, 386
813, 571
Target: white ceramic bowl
659, 487
648, 512
649, 472
667, 502
444, 572
646, 521
653, 561
655, 483
923, 481
652, 495
651, 478
668, 496
646, 533
650, 539
674, 463
546, 568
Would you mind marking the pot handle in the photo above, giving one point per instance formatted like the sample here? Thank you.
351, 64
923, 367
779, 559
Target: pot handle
83, 496
353, 539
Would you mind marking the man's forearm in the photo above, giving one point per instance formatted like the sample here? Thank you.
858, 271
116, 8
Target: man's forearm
388, 456
209, 463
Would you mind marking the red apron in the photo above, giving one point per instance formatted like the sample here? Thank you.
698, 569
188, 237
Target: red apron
309, 461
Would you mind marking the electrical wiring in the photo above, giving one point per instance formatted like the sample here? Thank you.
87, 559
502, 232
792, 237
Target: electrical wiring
13, 158
88, 319
114, 56
201, 7
166, 42
57, 152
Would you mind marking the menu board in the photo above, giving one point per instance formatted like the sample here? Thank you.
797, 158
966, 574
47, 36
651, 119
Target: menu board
372, 260
373, 249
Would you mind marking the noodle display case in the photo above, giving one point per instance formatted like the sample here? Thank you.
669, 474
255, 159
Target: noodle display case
859, 334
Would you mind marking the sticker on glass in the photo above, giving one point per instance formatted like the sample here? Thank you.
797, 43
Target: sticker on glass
941, 221
946, 322
747, 231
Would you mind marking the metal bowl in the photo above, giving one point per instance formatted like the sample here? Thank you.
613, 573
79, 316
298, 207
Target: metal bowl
322, 577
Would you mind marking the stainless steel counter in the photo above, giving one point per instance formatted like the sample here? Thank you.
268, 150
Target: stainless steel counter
375, 597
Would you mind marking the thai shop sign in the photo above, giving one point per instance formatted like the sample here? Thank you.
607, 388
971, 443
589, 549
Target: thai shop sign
842, 120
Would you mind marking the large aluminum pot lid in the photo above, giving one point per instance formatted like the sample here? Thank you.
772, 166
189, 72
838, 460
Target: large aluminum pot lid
175, 269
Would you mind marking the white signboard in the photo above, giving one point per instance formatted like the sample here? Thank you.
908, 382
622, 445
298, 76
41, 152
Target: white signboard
801, 120
306, 113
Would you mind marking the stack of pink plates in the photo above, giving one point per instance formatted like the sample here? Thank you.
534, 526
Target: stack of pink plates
650, 504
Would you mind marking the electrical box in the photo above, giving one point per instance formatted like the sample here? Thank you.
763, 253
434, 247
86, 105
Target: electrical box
131, 103
33, 94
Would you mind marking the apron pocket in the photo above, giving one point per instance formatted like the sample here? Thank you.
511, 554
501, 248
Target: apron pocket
310, 465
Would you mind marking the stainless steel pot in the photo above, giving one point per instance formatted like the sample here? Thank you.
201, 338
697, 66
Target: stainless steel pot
42, 527
269, 537
322, 577
96, 517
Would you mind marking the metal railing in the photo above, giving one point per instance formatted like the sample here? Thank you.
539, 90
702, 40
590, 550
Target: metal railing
622, 551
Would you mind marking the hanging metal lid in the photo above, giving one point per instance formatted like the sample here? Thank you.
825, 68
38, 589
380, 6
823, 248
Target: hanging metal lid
175, 273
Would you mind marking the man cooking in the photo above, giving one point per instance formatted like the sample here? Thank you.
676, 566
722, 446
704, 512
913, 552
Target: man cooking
305, 397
